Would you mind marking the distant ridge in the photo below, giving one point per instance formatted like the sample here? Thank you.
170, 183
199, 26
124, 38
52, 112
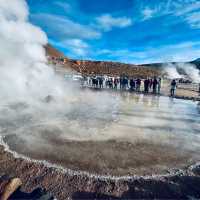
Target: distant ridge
197, 63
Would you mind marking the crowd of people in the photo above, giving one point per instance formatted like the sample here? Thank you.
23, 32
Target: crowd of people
124, 83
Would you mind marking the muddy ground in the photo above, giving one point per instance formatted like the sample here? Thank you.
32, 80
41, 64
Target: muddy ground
112, 158
66, 185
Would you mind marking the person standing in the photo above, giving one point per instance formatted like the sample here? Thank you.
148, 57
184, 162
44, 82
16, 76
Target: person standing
101, 82
111, 83
173, 87
132, 84
124, 83
146, 85
159, 85
155, 84
121, 83
115, 83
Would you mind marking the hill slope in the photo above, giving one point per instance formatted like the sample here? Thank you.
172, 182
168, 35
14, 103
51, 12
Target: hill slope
52, 52
111, 68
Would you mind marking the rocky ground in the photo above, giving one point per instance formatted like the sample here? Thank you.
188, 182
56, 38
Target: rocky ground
66, 185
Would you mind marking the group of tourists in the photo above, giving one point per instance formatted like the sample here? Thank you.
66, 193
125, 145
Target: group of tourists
125, 83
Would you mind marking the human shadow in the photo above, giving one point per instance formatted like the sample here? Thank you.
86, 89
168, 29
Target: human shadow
37, 194
177, 187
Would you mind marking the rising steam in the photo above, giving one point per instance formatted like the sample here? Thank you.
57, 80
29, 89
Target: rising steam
24, 73
26, 80
171, 71
188, 69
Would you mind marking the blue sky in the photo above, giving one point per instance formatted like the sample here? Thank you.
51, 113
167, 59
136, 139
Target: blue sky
131, 31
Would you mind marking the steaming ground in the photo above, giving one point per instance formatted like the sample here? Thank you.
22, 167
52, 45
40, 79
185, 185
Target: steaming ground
106, 133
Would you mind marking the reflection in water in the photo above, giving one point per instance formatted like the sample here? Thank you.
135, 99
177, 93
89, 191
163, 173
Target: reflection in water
133, 118
85, 120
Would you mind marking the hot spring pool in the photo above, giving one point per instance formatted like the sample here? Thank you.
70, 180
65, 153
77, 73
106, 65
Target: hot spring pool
106, 133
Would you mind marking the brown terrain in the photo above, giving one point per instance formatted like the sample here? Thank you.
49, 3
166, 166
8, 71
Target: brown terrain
51, 51
102, 67
65, 184
113, 69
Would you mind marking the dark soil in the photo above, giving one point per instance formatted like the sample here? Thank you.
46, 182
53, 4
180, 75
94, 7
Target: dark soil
65, 185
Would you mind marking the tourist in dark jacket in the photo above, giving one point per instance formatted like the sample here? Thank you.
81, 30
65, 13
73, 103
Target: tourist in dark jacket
155, 84
173, 87
146, 86
116, 81
101, 82
138, 85
132, 84
121, 83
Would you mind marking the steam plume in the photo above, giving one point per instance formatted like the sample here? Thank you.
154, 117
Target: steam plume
23, 70
189, 69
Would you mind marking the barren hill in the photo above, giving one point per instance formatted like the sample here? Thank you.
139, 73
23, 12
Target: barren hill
109, 68
51, 51
102, 67
113, 68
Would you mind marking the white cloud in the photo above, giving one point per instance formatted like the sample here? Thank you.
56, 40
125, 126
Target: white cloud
65, 28
148, 13
182, 52
107, 22
187, 8
189, 11
194, 20
77, 46
76, 43
103, 52
64, 5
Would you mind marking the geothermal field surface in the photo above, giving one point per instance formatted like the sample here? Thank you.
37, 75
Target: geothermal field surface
103, 133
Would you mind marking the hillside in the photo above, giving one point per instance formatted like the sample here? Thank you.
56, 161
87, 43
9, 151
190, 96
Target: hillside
101, 67
113, 68
52, 52
109, 68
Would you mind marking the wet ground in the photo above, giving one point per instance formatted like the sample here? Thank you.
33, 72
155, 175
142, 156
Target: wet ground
107, 133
